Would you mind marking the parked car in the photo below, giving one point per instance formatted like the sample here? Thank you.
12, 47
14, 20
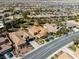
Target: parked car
9, 55
2, 56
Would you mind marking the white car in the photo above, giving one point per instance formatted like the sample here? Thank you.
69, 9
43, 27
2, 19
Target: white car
9, 55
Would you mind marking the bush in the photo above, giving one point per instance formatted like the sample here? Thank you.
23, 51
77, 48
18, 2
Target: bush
73, 47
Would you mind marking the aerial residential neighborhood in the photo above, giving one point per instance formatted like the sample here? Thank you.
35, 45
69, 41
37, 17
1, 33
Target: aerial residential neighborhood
39, 29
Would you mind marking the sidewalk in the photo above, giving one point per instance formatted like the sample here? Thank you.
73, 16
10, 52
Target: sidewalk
68, 51
59, 50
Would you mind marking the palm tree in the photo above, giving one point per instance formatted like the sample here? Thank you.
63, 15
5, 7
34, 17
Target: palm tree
24, 14
4, 23
76, 40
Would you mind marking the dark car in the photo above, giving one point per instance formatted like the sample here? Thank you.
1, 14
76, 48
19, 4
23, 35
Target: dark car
2, 56
10, 55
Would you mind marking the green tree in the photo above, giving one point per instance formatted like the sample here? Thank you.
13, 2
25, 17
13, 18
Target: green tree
4, 23
24, 14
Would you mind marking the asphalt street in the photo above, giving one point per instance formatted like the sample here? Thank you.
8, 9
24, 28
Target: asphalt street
48, 49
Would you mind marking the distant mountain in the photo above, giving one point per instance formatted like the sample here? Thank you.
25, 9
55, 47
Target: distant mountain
39, 2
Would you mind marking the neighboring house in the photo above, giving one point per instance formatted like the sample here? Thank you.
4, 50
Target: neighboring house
51, 27
17, 8
41, 15
37, 31
6, 14
72, 23
16, 16
1, 20
20, 39
1, 11
5, 44
11, 18
1, 25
